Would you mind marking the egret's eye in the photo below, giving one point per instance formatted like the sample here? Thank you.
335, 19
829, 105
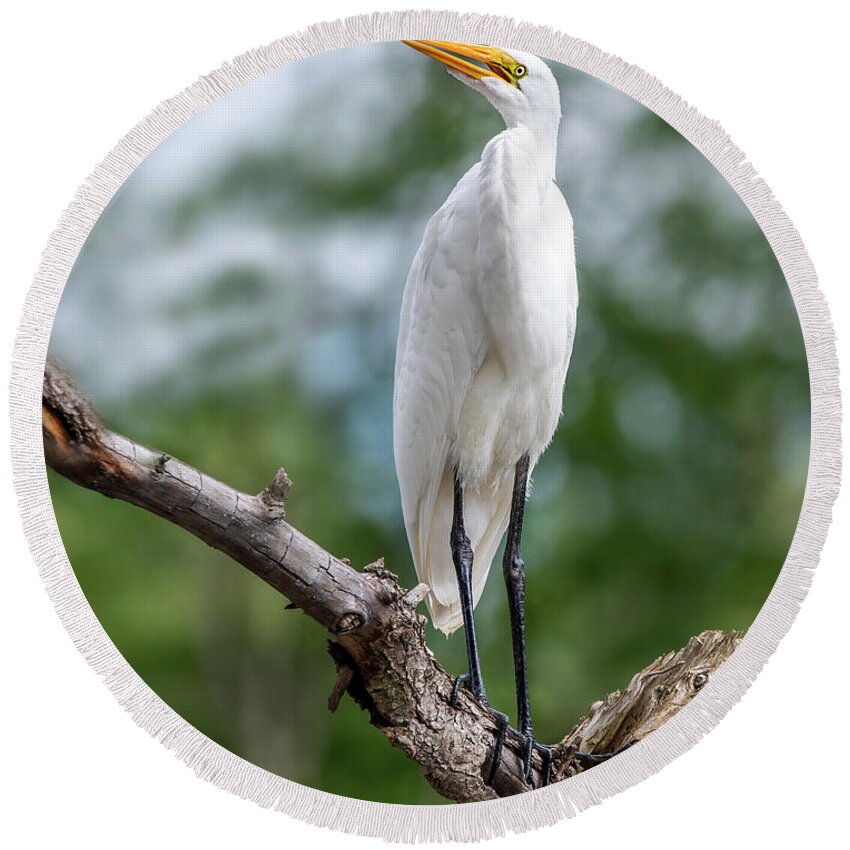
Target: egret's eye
520, 71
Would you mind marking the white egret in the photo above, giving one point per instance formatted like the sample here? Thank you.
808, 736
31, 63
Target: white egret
487, 326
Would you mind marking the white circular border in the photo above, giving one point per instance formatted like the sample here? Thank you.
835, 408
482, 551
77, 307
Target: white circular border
472, 821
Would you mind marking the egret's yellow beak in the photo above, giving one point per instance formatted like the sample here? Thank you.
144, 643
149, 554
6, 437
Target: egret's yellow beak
494, 62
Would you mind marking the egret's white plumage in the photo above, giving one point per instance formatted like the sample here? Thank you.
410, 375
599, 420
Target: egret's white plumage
487, 326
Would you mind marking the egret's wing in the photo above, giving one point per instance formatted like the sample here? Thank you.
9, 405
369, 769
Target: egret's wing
442, 342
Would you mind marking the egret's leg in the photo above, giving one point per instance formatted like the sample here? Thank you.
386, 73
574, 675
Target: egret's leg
462, 557
514, 570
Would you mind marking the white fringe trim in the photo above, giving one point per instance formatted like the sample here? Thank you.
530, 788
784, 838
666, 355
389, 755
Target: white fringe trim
423, 823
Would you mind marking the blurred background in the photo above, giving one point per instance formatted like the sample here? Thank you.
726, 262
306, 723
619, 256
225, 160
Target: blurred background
237, 306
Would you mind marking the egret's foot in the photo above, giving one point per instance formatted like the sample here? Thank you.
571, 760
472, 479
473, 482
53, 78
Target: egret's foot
592, 759
499, 745
529, 746
502, 722
459, 682
546, 755
527, 750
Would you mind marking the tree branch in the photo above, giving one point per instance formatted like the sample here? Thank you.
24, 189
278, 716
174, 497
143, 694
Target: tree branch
378, 638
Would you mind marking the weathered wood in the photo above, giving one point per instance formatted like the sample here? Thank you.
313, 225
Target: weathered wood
653, 696
378, 637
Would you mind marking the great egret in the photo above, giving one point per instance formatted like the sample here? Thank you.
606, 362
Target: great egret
487, 326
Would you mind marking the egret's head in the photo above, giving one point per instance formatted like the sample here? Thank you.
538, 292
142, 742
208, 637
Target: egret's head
519, 85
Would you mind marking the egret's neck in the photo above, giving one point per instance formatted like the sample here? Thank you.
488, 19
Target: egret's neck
527, 149
544, 131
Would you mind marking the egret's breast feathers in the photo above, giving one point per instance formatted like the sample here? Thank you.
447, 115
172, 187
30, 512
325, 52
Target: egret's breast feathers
525, 264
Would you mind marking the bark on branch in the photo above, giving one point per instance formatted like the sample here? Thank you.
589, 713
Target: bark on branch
378, 641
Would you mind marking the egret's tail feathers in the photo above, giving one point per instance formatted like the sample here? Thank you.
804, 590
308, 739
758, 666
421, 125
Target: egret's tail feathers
485, 513
446, 618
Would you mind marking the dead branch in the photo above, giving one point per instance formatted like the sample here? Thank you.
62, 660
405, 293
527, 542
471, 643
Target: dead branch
378, 641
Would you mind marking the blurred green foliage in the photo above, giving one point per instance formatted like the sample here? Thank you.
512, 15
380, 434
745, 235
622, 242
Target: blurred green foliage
236, 306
